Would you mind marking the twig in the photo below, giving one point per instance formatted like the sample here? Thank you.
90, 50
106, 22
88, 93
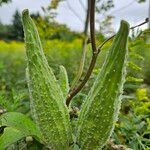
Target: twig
84, 49
100, 47
73, 92
146, 21
88, 74
92, 63
92, 25
87, 18
81, 66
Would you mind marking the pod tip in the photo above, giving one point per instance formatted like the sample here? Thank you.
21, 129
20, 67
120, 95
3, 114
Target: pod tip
25, 12
123, 22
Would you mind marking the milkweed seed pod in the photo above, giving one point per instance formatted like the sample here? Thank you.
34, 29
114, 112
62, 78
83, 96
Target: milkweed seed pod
46, 98
100, 110
63, 81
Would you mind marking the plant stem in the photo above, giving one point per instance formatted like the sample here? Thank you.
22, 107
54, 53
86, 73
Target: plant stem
96, 51
92, 25
84, 49
73, 92
88, 74
146, 21
81, 66
100, 47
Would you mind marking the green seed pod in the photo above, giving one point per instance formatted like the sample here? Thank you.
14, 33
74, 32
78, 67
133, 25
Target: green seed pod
100, 110
46, 98
63, 81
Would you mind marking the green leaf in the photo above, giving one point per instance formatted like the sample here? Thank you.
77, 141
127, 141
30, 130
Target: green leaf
63, 81
75, 147
10, 136
133, 79
134, 66
19, 122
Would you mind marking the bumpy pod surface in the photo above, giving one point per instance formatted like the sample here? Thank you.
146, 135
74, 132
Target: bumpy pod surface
46, 98
100, 110
63, 81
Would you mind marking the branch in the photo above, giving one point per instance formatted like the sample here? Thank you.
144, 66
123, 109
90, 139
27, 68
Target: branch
92, 25
88, 74
73, 92
92, 65
84, 49
81, 66
87, 18
100, 47
146, 21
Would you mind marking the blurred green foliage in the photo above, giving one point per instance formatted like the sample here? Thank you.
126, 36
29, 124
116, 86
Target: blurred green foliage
47, 26
63, 47
49, 29
4, 1
13, 31
133, 127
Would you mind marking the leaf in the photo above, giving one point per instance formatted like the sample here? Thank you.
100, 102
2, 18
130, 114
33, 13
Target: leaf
63, 81
134, 66
133, 79
75, 147
21, 123
10, 136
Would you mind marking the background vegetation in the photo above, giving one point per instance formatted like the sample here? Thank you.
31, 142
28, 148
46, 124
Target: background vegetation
64, 47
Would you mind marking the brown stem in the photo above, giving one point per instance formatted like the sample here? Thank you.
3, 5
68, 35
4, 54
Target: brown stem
81, 66
73, 92
88, 74
100, 47
92, 65
92, 25
146, 21
84, 49
87, 19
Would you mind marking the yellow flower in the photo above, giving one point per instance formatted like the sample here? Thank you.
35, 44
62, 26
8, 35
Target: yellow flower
141, 94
